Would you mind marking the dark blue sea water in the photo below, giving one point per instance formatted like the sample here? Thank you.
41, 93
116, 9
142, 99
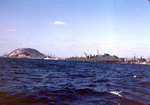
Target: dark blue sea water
43, 82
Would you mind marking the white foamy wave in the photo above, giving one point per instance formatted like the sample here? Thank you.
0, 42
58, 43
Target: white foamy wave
116, 93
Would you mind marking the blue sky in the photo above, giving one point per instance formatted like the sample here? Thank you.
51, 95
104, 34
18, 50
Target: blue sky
67, 28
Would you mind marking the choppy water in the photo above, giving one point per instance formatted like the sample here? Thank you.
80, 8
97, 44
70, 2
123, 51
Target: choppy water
41, 82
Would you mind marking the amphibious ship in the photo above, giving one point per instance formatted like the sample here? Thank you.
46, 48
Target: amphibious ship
106, 58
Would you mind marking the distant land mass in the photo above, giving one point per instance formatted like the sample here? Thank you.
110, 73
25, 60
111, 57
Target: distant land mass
25, 53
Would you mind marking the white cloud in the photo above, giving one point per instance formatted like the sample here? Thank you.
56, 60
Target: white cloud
59, 23
10, 30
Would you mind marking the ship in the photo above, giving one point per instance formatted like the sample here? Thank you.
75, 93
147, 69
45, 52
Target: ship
106, 58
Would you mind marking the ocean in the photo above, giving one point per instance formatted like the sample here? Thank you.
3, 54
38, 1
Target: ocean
46, 82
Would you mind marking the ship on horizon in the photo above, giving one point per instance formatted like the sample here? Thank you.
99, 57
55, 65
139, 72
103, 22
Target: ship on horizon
106, 58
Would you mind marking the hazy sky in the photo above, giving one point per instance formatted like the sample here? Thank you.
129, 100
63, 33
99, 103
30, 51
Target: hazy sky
67, 28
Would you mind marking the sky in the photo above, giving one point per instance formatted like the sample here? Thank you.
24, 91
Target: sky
65, 28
